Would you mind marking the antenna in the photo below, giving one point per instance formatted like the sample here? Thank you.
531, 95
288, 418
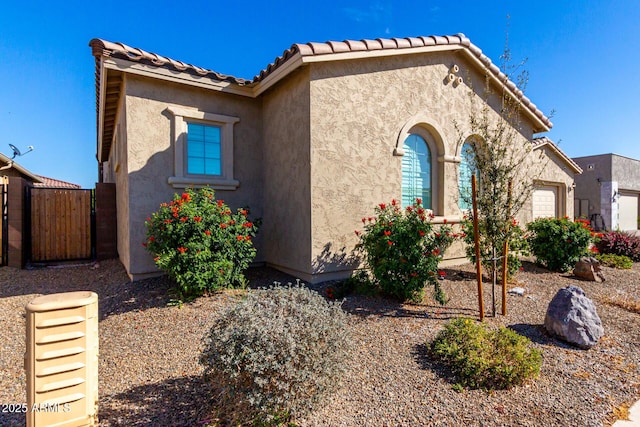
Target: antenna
16, 151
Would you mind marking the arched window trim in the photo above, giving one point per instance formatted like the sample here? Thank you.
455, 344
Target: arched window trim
434, 154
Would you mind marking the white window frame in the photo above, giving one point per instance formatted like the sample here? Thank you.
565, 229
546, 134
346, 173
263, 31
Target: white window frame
182, 179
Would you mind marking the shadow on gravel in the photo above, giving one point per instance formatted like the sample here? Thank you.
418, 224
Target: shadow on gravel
538, 334
420, 353
175, 402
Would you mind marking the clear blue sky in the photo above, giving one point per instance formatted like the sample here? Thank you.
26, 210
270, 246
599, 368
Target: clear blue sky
583, 59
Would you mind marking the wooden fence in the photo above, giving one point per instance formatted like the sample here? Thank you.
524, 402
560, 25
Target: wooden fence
61, 223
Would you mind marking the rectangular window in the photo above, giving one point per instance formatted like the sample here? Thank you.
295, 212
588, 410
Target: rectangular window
203, 149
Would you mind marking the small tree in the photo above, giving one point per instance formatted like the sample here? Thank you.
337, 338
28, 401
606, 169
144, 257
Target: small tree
502, 154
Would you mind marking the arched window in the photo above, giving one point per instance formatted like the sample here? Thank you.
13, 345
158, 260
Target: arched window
416, 171
465, 171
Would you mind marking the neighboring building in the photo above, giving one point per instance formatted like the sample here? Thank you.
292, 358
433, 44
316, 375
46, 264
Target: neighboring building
311, 144
608, 191
55, 183
10, 168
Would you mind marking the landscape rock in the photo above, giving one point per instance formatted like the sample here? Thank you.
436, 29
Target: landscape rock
588, 268
572, 317
517, 291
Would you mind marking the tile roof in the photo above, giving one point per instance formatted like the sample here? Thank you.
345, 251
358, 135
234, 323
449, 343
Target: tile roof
119, 50
55, 183
544, 141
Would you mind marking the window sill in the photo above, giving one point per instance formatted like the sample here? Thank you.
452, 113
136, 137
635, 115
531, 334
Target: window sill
215, 183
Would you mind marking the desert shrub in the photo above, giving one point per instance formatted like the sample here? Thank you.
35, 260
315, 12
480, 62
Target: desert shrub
485, 358
615, 261
619, 243
402, 250
200, 243
280, 352
518, 247
558, 243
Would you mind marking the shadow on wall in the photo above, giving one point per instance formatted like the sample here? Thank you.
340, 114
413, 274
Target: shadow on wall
335, 261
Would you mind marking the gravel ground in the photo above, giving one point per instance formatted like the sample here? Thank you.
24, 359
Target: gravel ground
149, 373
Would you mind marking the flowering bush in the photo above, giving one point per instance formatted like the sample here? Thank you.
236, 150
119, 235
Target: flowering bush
200, 243
518, 247
402, 250
619, 243
558, 243
280, 352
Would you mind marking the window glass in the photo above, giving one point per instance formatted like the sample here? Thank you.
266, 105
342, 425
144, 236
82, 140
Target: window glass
466, 170
416, 171
203, 149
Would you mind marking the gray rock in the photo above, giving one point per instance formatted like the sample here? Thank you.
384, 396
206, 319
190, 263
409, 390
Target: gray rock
572, 317
588, 268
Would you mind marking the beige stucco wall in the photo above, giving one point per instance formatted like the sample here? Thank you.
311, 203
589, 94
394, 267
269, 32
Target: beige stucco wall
360, 110
150, 150
287, 175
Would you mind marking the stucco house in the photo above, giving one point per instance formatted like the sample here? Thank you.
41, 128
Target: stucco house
608, 192
311, 144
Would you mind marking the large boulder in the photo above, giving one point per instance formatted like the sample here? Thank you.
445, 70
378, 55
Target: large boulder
572, 317
588, 268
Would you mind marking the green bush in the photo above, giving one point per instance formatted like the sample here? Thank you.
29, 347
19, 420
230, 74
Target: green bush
615, 261
402, 250
281, 352
518, 247
558, 243
485, 358
200, 243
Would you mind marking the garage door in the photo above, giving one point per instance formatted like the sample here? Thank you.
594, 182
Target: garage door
628, 212
545, 202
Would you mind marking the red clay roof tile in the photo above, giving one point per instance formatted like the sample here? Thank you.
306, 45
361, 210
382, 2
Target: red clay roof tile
109, 49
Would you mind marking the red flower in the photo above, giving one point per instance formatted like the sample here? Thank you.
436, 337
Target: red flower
244, 212
197, 218
247, 224
594, 250
436, 251
148, 219
393, 202
389, 242
168, 221
163, 205
175, 215
144, 244
184, 219
223, 226
186, 197
369, 219
418, 201
387, 233
182, 249
421, 233
152, 239
247, 238
409, 208
329, 293
444, 220
420, 211
207, 232
382, 206
414, 274
156, 259
232, 222
441, 273
357, 233
220, 203
239, 238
